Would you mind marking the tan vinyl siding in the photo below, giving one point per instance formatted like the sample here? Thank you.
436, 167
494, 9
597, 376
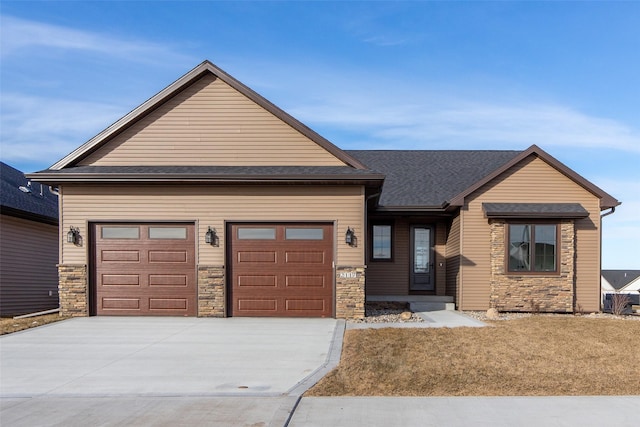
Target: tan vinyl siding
453, 258
210, 123
28, 256
212, 206
531, 181
391, 277
440, 258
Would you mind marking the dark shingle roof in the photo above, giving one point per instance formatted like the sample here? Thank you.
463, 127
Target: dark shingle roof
34, 200
429, 178
620, 278
534, 210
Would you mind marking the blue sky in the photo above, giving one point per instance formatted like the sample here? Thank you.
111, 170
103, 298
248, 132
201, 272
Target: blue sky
366, 75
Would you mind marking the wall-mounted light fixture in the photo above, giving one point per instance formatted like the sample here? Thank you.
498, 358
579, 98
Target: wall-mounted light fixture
350, 236
73, 235
211, 238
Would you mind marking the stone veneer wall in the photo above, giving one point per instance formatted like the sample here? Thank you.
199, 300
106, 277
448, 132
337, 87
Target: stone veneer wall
350, 296
544, 293
211, 291
73, 291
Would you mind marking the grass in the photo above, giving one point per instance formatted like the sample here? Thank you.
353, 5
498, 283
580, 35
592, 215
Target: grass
532, 356
9, 325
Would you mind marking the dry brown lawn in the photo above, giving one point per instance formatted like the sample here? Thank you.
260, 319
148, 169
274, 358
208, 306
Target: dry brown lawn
8, 325
533, 356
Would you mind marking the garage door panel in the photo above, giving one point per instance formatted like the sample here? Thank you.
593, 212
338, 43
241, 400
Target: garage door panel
307, 257
173, 304
288, 274
121, 280
121, 304
181, 280
254, 256
260, 281
317, 281
251, 306
154, 274
119, 256
168, 256
304, 305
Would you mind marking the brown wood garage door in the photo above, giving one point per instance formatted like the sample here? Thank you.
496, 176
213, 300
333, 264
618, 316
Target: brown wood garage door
282, 270
144, 269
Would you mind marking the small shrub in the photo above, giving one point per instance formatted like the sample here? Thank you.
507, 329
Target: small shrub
619, 303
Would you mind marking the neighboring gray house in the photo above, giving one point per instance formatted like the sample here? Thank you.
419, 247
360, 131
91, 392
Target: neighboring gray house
28, 245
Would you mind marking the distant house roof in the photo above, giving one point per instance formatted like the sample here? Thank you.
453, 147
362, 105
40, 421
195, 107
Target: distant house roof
620, 278
23, 198
429, 178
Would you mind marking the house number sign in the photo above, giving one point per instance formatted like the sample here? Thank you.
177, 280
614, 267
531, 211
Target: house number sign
348, 275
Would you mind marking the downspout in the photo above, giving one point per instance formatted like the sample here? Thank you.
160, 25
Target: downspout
613, 209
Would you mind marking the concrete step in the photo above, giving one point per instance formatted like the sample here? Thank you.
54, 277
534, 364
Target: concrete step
419, 306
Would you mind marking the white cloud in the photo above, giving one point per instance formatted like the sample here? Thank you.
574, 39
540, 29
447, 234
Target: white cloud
425, 118
42, 130
19, 35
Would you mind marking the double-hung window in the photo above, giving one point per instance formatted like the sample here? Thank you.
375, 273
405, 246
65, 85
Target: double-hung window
533, 248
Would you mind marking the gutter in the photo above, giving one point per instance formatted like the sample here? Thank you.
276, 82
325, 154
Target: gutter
613, 209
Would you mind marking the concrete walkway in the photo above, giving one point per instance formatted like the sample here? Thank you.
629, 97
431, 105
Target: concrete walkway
591, 411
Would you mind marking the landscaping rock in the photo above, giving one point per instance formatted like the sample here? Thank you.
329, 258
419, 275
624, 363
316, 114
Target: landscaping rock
492, 314
405, 315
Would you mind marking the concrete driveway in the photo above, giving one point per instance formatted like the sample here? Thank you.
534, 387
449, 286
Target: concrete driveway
116, 370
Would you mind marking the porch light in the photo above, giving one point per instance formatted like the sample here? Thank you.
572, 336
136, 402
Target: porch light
349, 236
211, 238
73, 235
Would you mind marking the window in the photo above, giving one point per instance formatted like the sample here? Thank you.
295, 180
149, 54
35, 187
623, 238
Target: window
248, 233
119, 232
167, 232
304, 233
381, 242
532, 248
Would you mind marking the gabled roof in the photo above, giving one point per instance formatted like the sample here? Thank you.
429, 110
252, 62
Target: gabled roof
441, 179
205, 67
618, 279
21, 198
606, 200
429, 179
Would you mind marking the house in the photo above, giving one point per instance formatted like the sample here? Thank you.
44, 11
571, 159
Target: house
28, 245
208, 200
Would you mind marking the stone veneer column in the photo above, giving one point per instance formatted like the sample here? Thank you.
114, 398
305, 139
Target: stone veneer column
211, 291
72, 288
350, 295
533, 292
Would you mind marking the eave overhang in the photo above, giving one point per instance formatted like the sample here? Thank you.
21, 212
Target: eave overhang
209, 175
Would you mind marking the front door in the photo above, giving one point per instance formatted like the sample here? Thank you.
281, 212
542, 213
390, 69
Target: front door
422, 277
